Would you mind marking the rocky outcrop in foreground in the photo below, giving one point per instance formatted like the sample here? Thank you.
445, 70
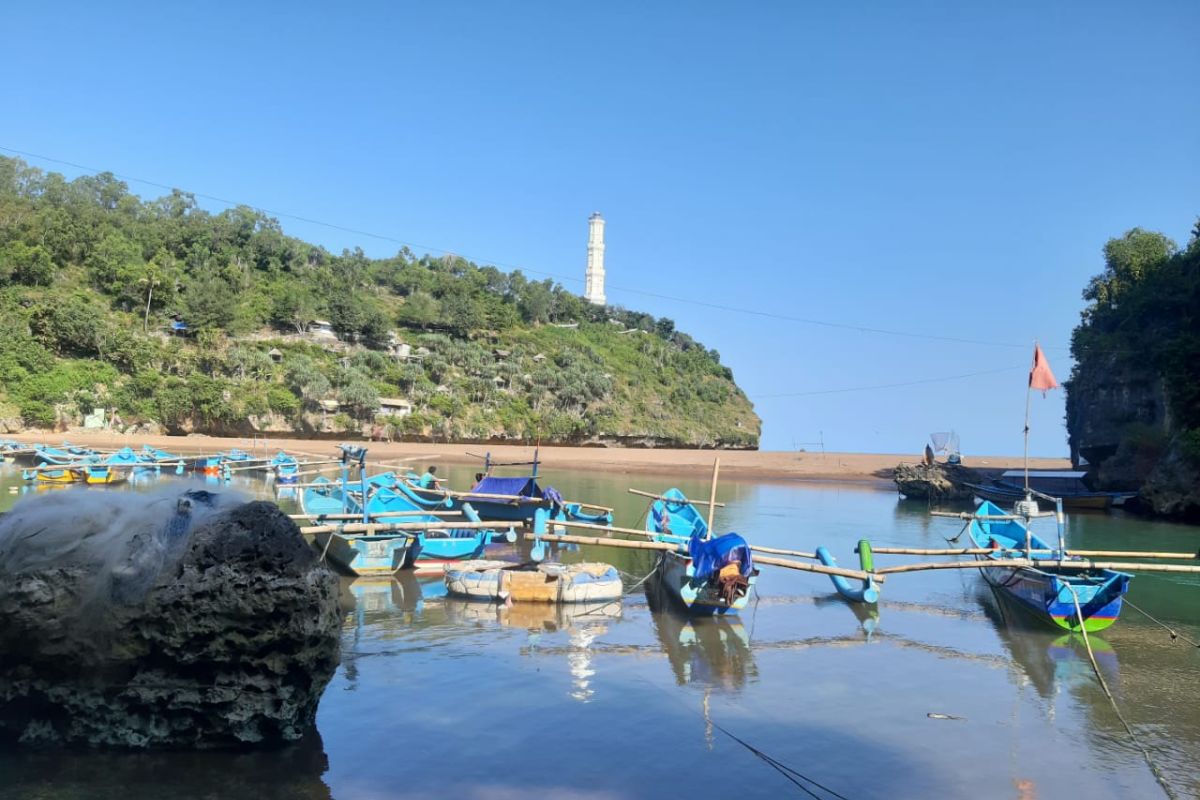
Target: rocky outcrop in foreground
163, 619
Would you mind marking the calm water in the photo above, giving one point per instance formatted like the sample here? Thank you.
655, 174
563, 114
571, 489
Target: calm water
443, 698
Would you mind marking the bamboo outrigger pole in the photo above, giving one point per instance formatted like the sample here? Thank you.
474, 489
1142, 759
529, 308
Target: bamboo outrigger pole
380, 515
368, 528
1017, 563
663, 546
654, 496
982, 551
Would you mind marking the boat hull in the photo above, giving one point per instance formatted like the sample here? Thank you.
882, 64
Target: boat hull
1057, 596
674, 573
1049, 599
364, 555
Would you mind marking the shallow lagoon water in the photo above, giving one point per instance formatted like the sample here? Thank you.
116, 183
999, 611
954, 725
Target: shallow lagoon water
437, 697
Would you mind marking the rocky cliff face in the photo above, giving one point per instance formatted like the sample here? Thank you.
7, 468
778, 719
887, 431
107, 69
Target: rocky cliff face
1119, 421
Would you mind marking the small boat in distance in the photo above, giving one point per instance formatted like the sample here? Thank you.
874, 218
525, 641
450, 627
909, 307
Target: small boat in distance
1066, 484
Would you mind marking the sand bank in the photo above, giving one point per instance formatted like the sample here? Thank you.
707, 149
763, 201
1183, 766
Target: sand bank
735, 464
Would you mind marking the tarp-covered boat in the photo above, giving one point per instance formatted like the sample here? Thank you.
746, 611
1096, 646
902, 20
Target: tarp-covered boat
706, 575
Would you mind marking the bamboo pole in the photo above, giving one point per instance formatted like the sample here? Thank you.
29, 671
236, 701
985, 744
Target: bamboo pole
591, 525
663, 546
671, 499
519, 498
983, 551
269, 465
712, 494
368, 528
353, 485
820, 569
777, 551
380, 515
987, 517
1047, 564
600, 540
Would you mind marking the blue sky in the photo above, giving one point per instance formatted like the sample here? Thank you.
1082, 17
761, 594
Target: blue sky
934, 169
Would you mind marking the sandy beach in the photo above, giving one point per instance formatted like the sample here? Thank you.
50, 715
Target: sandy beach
735, 464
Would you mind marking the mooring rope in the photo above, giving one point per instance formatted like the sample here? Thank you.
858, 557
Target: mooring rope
1158, 775
783, 769
1174, 633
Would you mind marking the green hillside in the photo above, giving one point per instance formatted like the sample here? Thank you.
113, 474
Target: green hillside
92, 277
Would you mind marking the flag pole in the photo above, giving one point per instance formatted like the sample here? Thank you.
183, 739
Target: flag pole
1028, 395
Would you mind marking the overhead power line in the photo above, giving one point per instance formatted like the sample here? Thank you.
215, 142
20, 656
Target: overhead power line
571, 278
886, 385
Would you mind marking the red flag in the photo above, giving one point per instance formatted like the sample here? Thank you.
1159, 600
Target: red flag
1040, 377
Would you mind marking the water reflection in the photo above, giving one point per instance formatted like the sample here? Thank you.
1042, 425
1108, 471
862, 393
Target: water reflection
294, 771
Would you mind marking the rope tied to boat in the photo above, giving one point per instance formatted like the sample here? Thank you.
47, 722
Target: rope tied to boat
1174, 633
1154, 770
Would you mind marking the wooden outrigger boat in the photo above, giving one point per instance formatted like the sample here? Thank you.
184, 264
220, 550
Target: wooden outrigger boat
427, 544
588, 582
506, 498
1064, 484
1055, 595
285, 468
705, 575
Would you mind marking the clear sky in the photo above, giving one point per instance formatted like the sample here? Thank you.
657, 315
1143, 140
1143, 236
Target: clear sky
937, 169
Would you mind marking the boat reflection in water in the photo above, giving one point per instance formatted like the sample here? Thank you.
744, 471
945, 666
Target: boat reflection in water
380, 602
707, 652
1050, 661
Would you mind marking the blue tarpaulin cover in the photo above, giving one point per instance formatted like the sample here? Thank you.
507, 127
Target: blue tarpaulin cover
710, 555
512, 486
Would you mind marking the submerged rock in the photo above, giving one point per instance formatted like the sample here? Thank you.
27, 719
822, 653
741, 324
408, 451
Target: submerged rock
206, 624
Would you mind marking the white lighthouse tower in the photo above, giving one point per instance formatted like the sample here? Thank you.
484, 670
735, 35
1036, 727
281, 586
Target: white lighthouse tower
594, 284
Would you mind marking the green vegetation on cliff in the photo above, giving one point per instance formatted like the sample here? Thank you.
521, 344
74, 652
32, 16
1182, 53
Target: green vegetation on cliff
1133, 404
91, 278
1145, 309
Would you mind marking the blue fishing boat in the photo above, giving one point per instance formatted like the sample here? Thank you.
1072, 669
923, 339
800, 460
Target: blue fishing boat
326, 497
67, 454
116, 467
1068, 485
509, 498
285, 468
359, 555
388, 551
1054, 593
434, 548
154, 459
704, 575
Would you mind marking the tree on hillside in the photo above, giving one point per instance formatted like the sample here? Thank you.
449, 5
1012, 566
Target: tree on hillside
209, 302
1127, 261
